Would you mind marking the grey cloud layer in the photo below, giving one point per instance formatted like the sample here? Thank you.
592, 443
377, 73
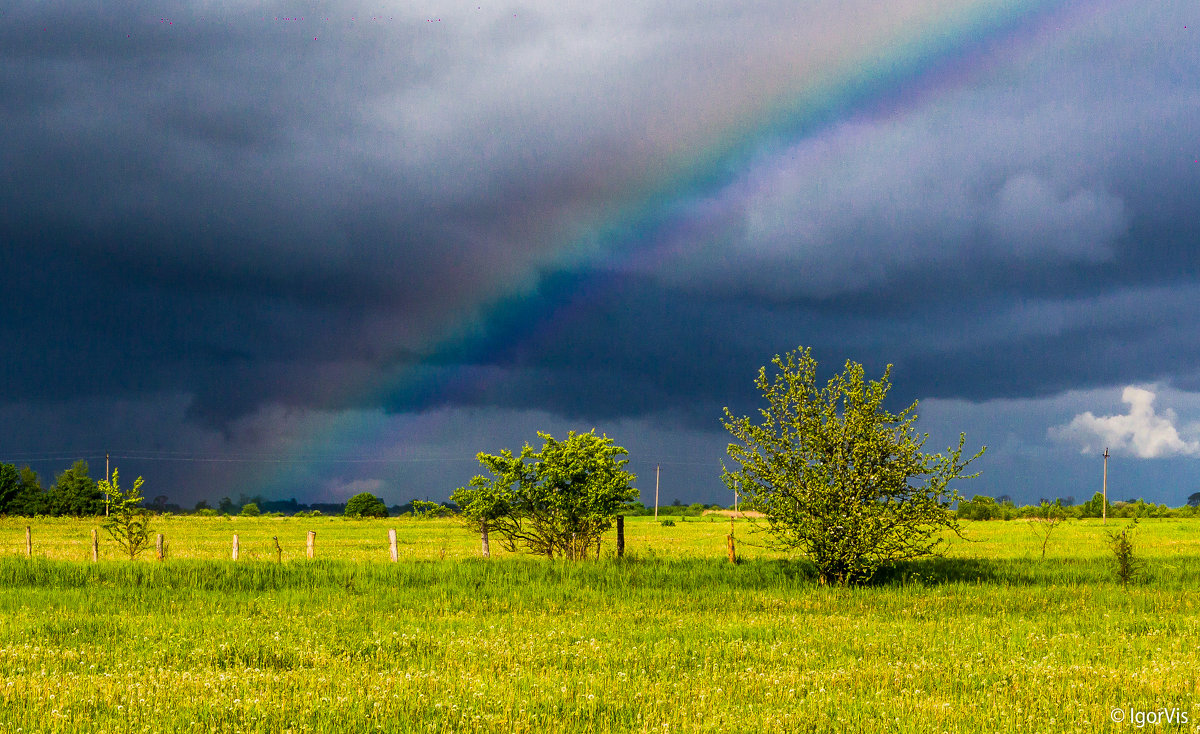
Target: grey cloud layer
1040, 163
204, 202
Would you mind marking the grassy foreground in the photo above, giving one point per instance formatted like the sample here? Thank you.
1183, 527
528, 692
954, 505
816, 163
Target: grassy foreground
672, 639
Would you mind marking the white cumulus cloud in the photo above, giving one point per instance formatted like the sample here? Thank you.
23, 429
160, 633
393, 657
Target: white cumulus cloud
1141, 432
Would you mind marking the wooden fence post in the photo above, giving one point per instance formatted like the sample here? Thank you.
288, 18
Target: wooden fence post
312, 542
732, 551
278, 549
158, 546
620, 535
392, 544
28, 542
95, 546
235, 546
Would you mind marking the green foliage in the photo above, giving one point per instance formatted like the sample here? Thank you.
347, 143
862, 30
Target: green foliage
667, 523
837, 475
128, 522
250, 509
424, 509
205, 512
979, 507
554, 502
10, 486
365, 504
1095, 507
1127, 566
27, 497
75, 493
1140, 509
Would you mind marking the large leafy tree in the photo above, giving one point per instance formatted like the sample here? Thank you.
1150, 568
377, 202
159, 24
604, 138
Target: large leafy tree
365, 504
10, 486
837, 475
75, 493
555, 501
28, 498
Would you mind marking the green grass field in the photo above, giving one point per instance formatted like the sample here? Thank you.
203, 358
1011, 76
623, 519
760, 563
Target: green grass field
672, 638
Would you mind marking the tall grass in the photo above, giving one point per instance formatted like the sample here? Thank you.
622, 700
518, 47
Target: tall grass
673, 639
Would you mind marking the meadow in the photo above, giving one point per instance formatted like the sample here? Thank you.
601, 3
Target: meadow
991, 637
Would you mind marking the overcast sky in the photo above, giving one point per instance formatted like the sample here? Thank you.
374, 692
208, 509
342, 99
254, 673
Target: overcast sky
305, 250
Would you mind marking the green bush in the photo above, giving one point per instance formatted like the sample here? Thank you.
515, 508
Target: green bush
1127, 566
250, 509
425, 509
365, 504
979, 507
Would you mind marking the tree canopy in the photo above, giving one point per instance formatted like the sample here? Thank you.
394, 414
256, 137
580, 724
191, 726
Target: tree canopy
75, 493
837, 475
555, 501
365, 504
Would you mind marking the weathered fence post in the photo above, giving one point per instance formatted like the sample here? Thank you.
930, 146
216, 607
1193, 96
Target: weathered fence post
312, 542
486, 547
28, 542
620, 535
278, 549
235, 546
158, 546
732, 552
392, 543
95, 546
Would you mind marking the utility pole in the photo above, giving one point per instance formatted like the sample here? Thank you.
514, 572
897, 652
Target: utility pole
657, 469
1104, 508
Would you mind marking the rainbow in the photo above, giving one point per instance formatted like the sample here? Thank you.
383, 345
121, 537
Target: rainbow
910, 66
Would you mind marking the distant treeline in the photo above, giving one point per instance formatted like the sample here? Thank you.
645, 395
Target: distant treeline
75, 493
982, 507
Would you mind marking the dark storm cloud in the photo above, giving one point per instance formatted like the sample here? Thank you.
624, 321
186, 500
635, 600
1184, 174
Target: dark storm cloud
259, 217
241, 202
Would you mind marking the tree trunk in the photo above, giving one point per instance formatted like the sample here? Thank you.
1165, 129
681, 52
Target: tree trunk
483, 539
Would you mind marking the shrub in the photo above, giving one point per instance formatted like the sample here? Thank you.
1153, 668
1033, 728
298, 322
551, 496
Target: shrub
250, 509
365, 504
556, 501
1128, 567
979, 507
839, 476
424, 509
128, 522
